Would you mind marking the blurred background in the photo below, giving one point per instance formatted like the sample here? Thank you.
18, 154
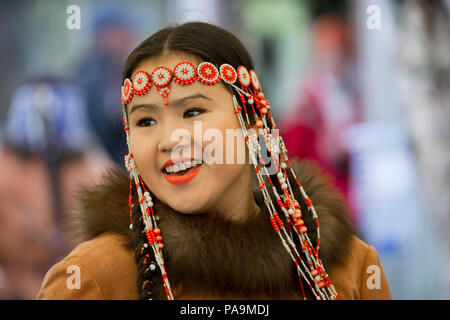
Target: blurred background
360, 86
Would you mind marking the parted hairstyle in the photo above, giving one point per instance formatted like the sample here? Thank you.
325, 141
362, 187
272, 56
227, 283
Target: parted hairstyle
209, 43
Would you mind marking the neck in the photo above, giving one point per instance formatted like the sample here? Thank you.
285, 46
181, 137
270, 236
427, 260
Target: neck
238, 204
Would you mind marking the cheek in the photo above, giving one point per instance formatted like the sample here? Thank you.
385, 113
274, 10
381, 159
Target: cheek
143, 150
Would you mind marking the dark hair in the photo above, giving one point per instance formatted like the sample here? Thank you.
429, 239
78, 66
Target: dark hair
209, 43
206, 41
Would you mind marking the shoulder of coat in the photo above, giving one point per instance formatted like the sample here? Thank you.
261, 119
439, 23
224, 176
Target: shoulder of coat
109, 260
355, 260
102, 246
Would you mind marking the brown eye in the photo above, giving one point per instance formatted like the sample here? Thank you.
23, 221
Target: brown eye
145, 122
193, 112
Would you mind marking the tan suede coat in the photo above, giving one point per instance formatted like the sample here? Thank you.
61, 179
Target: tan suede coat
104, 267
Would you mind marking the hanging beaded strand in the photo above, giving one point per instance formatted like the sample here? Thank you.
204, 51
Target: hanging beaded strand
311, 270
312, 259
311, 254
151, 229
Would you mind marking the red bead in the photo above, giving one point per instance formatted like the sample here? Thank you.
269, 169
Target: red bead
147, 255
298, 214
259, 124
314, 273
150, 236
158, 238
299, 222
260, 95
303, 229
263, 110
321, 284
308, 201
160, 245
263, 103
157, 231
296, 205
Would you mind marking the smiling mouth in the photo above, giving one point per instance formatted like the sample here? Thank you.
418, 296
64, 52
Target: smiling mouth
182, 172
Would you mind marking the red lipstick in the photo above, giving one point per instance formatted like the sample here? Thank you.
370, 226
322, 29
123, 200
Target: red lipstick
180, 179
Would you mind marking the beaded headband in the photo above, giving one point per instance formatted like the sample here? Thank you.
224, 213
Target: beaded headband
248, 88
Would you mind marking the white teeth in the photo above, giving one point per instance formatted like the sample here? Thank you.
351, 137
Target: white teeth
182, 166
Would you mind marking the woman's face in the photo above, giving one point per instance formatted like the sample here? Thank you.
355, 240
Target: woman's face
209, 185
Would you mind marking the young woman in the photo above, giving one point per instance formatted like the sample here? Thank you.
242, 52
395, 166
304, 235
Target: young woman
200, 223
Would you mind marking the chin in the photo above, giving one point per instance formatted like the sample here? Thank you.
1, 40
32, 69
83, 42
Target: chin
190, 206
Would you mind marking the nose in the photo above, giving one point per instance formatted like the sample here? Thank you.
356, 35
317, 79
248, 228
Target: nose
173, 138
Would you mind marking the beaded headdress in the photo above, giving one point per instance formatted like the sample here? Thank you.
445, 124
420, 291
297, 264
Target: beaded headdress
251, 102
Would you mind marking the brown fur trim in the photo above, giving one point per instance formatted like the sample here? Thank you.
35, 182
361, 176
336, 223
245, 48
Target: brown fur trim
223, 256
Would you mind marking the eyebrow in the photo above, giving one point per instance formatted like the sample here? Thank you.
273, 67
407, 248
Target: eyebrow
175, 104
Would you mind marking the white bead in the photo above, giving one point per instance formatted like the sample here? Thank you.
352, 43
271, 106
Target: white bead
145, 245
284, 186
150, 204
283, 165
131, 226
146, 194
291, 211
317, 278
280, 175
250, 101
152, 267
282, 180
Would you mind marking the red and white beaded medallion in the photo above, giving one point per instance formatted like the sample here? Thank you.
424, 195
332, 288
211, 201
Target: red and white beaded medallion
127, 91
228, 74
254, 80
184, 73
243, 76
208, 73
161, 76
141, 83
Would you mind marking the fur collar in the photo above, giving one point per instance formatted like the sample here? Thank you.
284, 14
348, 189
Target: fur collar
188, 239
